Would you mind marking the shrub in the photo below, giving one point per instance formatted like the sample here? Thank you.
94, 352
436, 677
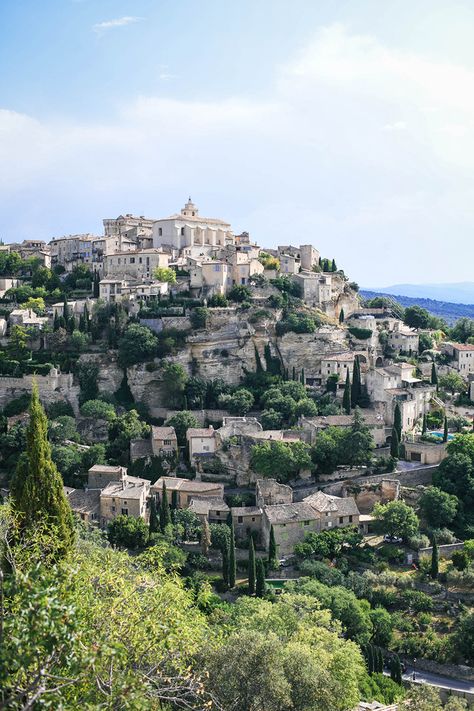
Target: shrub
128, 532
98, 410
460, 560
362, 334
199, 317
17, 406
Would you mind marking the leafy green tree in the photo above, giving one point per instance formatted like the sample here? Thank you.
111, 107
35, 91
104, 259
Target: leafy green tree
239, 403
358, 441
137, 344
382, 627
37, 489
127, 532
260, 585
417, 317
251, 569
281, 459
464, 638
154, 523
87, 374
395, 444
188, 522
346, 399
438, 508
453, 383
271, 419
463, 330
165, 274
122, 430
18, 342
98, 410
396, 669
434, 560
328, 543
200, 317
181, 422
240, 293
396, 519
165, 513
174, 383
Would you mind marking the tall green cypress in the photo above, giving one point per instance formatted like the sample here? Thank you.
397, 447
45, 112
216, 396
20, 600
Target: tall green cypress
424, 426
396, 669
370, 659
71, 324
434, 560
37, 492
272, 551
434, 376
341, 316
225, 564
56, 322
395, 444
346, 399
86, 318
445, 429
154, 523
293, 375
397, 421
232, 562
260, 584
165, 513
96, 288
356, 383
258, 361
303, 379
333, 266
252, 569
66, 314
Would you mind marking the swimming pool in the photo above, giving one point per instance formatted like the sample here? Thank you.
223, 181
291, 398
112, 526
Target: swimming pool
440, 435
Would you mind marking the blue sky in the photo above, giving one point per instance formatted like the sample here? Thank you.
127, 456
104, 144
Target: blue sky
349, 125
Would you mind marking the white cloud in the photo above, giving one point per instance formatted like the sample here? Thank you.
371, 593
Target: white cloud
100, 27
318, 160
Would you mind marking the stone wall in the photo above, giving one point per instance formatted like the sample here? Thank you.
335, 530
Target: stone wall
54, 387
445, 551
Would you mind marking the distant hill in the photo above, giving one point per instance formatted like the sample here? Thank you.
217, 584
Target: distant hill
456, 293
448, 310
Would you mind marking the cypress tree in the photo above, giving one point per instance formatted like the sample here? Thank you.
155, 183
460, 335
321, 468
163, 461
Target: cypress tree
396, 669
434, 560
320, 262
154, 524
37, 488
333, 266
260, 584
356, 383
82, 324
205, 537
370, 659
434, 376
445, 430
225, 564
71, 325
272, 551
86, 318
379, 660
96, 285
341, 316
424, 426
395, 444
346, 399
397, 421
66, 314
293, 375
165, 513
174, 499
56, 323
252, 568
232, 562
258, 361
303, 380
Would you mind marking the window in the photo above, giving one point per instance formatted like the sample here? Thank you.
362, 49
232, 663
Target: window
305, 523
205, 448
350, 519
167, 442
240, 519
160, 231
124, 512
182, 230
341, 519
328, 513
132, 260
124, 503
113, 509
253, 518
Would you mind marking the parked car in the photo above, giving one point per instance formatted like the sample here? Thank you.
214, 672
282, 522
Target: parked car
392, 539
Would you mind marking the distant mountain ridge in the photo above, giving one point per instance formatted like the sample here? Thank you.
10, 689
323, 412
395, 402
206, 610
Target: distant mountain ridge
448, 310
456, 293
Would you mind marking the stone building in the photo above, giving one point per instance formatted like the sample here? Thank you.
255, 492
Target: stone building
117, 289
72, 250
100, 475
127, 497
403, 339
140, 264
462, 357
201, 442
130, 228
373, 419
186, 230
163, 441
247, 520
188, 489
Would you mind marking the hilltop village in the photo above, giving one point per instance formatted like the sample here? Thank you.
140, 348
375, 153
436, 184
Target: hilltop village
245, 411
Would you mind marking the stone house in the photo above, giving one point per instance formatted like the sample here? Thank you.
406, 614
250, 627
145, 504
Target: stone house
163, 441
403, 339
201, 443
100, 475
289, 264
306, 254
72, 250
27, 318
7, 283
85, 503
127, 497
318, 512
397, 384
213, 276
76, 308
316, 288
373, 419
337, 364
213, 509
187, 489
247, 519
424, 452
138, 265
269, 492
116, 289
462, 356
